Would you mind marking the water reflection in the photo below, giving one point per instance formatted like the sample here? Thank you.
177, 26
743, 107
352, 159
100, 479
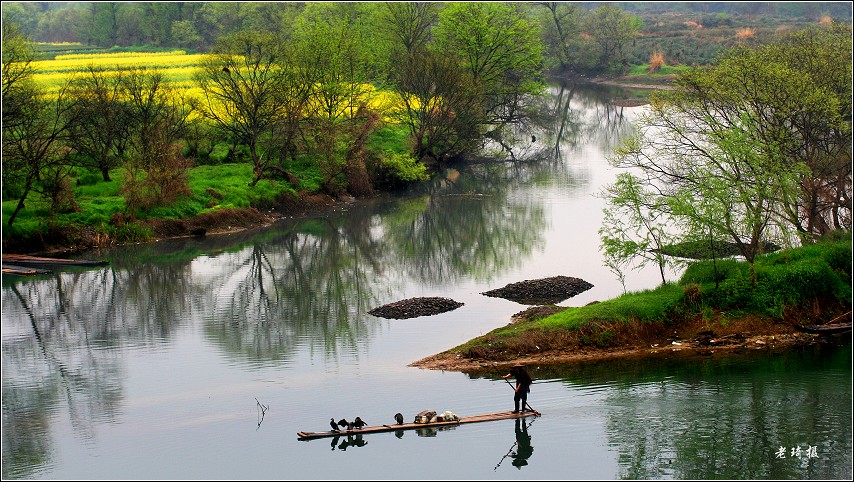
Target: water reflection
266, 297
574, 117
725, 417
350, 441
298, 286
524, 449
720, 427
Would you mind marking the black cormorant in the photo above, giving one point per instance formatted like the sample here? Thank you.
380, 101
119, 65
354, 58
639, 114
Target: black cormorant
333, 424
358, 423
343, 423
399, 418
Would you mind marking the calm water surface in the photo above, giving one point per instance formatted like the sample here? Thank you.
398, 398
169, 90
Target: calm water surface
201, 359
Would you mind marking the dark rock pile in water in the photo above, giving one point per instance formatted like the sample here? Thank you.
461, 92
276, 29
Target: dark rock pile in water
414, 307
545, 291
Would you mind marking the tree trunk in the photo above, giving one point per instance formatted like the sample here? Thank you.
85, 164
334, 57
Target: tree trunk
20, 204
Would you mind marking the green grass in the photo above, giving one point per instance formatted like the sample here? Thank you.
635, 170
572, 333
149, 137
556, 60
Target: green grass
665, 71
213, 187
796, 277
394, 138
649, 305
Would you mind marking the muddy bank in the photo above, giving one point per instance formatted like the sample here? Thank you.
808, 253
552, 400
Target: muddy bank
231, 220
602, 340
453, 361
660, 83
67, 239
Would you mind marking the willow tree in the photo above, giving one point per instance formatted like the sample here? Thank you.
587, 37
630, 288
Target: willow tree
796, 96
634, 230
724, 150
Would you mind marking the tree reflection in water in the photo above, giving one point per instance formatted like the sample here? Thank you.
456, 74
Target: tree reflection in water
264, 296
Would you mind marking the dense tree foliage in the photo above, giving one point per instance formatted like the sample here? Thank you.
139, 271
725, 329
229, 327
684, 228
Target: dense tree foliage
99, 120
311, 82
442, 105
754, 148
798, 96
249, 93
611, 30
32, 127
576, 36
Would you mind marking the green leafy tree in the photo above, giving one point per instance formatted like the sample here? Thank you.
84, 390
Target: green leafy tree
249, 91
33, 126
500, 46
565, 49
23, 16
98, 120
185, 35
333, 59
32, 145
798, 96
820, 134
736, 151
407, 24
104, 23
442, 108
214, 20
64, 24
612, 30
710, 175
398, 29
635, 226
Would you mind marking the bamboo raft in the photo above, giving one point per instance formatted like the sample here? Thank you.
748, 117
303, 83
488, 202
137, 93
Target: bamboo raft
829, 328
23, 270
22, 264
487, 417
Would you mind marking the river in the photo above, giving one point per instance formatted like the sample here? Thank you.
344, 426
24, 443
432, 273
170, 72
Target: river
202, 358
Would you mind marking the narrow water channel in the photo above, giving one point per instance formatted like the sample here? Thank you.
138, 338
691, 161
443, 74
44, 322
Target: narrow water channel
202, 359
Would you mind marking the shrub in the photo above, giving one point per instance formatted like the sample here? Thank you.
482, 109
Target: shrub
745, 33
656, 61
709, 271
404, 167
219, 153
132, 233
838, 257
160, 180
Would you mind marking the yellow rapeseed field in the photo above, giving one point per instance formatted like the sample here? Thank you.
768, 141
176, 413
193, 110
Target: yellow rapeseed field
177, 66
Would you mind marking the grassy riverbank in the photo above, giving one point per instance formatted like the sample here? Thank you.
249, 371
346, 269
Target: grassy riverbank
219, 200
808, 285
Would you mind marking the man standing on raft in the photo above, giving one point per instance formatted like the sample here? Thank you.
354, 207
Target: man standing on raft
523, 385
